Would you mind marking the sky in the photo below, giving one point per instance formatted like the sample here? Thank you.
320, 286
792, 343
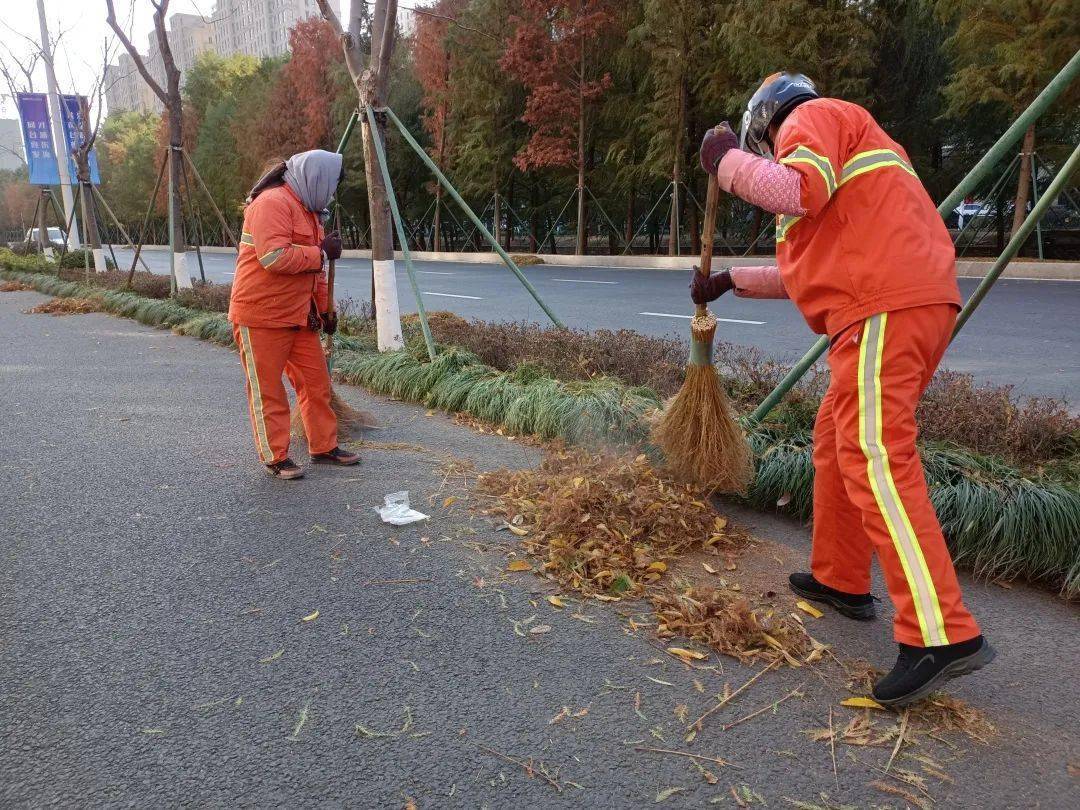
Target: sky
85, 33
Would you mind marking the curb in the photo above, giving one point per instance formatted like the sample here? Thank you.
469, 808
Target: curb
1021, 269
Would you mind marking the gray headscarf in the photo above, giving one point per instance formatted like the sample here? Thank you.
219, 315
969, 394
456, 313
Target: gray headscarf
313, 177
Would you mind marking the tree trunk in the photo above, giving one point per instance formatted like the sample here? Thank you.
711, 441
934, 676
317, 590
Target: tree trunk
373, 85
628, 228
695, 229
496, 219
534, 222
508, 232
42, 211
582, 246
436, 223
178, 238
1023, 185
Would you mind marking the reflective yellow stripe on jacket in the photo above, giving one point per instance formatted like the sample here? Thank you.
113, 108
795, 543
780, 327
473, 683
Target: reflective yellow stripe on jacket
858, 165
803, 155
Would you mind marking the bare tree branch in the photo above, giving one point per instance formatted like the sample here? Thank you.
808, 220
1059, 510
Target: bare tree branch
133, 52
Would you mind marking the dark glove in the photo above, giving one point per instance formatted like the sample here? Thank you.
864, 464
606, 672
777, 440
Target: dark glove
717, 142
329, 322
703, 290
331, 245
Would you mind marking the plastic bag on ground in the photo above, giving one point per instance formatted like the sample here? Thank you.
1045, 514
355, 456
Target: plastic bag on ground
397, 510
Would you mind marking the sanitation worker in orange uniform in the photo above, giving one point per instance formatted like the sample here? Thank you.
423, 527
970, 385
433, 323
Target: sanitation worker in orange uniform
866, 258
279, 306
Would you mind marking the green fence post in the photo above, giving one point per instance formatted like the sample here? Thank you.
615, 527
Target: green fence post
1022, 233
400, 228
472, 216
999, 150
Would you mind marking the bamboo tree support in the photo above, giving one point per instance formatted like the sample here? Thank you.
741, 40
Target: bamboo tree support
213, 204
1018, 238
1035, 199
472, 216
146, 221
555, 223
605, 215
644, 223
120, 227
971, 180
193, 216
86, 249
384, 168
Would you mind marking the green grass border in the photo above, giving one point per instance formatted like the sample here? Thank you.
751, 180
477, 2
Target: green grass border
999, 522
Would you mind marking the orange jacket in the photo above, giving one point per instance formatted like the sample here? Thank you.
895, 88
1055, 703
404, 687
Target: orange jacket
871, 240
279, 269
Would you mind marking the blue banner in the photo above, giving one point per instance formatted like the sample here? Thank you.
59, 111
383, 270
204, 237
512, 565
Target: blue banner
71, 116
37, 139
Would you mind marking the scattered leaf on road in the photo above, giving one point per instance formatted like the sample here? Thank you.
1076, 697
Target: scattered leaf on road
311, 617
556, 601
686, 655
861, 703
271, 658
806, 607
667, 793
519, 565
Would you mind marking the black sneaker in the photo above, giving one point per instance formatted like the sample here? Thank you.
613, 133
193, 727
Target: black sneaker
286, 469
853, 605
337, 456
921, 670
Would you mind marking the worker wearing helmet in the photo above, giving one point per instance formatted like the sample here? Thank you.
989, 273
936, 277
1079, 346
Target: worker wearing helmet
279, 304
866, 258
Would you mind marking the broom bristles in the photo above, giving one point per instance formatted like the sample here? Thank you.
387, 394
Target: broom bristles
697, 432
351, 421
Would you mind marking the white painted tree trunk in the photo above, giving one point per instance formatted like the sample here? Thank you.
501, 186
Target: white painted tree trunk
386, 305
180, 271
99, 261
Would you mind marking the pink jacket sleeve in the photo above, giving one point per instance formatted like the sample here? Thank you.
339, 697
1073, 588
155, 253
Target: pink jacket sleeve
758, 282
771, 186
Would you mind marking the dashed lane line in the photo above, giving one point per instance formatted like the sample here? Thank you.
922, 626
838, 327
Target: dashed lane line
688, 317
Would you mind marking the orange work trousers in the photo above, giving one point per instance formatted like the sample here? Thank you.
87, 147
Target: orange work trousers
266, 354
870, 491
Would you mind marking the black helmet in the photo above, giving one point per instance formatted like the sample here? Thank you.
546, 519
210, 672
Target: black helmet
778, 95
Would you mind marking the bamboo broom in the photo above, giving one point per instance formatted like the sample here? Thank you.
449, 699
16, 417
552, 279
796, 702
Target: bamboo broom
697, 432
349, 419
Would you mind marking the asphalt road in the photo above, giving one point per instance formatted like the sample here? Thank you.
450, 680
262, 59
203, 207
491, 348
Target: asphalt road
1026, 333
152, 650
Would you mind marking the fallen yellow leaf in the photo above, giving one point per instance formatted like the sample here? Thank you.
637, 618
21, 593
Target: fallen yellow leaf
708, 568
659, 567
449, 502
271, 658
861, 703
806, 607
556, 601
685, 654
520, 532
519, 565
311, 617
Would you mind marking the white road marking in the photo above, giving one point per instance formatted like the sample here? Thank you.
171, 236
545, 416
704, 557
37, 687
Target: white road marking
435, 273
688, 317
451, 295
583, 281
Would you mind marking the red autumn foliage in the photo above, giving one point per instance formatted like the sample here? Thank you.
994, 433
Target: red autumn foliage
431, 64
549, 54
297, 115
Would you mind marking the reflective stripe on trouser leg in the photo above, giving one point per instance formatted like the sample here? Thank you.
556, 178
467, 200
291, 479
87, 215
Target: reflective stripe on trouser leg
258, 419
893, 513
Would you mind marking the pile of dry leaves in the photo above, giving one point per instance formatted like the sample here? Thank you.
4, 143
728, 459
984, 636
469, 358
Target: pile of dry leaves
65, 306
14, 286
726, 622
603, 524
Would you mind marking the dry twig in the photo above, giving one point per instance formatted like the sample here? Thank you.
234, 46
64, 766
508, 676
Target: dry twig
697, 723
793, 693
698, 757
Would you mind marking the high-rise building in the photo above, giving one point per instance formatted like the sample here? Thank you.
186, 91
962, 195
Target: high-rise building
125, 89
259, 27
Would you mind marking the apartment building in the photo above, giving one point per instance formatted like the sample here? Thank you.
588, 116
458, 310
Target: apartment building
259, 28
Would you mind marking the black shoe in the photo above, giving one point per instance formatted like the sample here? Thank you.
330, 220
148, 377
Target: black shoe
286, 469
853, 605
342, 458
921, 670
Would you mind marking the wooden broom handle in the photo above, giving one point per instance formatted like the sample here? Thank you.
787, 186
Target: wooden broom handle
331, 305
712, 202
